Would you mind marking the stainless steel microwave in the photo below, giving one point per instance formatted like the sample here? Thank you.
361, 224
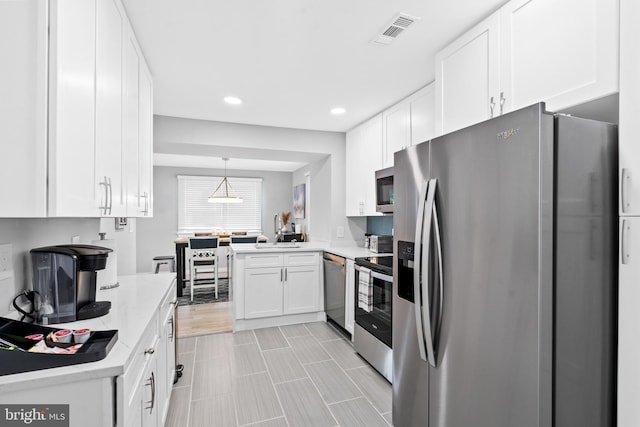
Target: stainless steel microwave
384, 190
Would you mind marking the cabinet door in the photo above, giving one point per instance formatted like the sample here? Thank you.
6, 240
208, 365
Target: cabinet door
301, 289
468, 78
72, 109
149, 401
422, 106
23, 109
130, 124
349, 297
628, 321
145, 135
166, 362
363, 158
629, 142
563, 52
396, 128
108, 109
263, 292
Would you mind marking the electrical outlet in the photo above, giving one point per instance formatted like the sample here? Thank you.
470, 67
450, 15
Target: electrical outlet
340, 232
6, 257
75, 239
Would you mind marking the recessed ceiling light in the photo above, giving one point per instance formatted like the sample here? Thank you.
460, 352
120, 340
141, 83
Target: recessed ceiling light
338, 110
233, 100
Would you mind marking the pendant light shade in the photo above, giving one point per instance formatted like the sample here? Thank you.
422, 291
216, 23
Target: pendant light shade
224, 196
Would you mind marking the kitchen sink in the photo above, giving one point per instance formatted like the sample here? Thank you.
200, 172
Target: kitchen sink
283, 245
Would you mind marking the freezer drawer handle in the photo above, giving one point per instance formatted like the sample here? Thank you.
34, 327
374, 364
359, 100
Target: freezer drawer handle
626, 230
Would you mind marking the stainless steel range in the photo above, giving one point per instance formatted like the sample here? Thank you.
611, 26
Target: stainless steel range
372, 332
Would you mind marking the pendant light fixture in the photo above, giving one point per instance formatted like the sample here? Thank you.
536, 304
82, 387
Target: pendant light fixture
224, 196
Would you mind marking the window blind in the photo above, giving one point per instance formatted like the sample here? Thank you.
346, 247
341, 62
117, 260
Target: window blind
196, 214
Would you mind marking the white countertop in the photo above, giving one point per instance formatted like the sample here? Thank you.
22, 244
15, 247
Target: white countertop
133, 304
350, 252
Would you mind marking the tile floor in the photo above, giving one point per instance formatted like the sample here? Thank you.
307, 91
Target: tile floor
297, 375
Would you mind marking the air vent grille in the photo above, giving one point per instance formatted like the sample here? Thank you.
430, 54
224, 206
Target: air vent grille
395, 28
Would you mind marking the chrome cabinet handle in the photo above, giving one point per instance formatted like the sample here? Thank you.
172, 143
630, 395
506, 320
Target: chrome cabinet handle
172, 331
110, 187
492, 104
286, 274
502, 101
625, 184
104, 204
281, 274
150, 350
626, 230
152, 384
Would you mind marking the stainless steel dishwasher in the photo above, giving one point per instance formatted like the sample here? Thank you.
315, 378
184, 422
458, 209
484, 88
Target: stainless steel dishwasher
334, 287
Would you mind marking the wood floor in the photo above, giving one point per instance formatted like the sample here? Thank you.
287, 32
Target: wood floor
203, 319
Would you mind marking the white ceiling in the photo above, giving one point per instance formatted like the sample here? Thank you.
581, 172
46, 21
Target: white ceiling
291, 61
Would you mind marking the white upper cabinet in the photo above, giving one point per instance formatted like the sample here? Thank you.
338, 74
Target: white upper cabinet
145, 140
363, 158
409, 122
130, 124
108, 110
468, 77
72, 99
23, 108
396, 128
561, 52
629, 137
422, 107
65, 113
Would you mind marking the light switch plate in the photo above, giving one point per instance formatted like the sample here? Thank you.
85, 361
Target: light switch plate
340, 232
6, 257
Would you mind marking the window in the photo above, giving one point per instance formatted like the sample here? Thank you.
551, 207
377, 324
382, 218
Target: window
196, 214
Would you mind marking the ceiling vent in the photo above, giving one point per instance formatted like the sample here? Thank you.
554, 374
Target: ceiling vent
396, 27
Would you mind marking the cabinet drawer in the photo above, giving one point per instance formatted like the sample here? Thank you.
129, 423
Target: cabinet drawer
307, 258
148, 341
266, 260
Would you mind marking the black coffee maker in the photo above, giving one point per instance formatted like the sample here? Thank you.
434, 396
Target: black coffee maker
64, 282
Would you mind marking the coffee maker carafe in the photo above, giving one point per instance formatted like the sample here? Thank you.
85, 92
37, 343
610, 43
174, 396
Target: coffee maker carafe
64, 282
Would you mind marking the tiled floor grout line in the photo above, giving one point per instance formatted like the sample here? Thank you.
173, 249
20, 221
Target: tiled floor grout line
193, 373
284, 414
357, 386
235, 391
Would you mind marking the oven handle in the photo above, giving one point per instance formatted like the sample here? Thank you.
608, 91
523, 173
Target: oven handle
377, 275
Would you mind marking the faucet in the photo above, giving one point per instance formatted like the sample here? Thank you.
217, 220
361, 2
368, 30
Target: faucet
277, 227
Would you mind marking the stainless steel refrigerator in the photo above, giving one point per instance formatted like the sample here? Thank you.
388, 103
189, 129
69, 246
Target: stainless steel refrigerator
504, 309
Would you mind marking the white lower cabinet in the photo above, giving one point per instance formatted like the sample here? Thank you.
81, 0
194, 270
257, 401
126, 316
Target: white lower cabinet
263, 292
349, 297
277, 284
628, 321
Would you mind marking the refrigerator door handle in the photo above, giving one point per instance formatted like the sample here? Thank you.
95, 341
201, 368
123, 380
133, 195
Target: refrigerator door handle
417, 295
427, 330
436, 226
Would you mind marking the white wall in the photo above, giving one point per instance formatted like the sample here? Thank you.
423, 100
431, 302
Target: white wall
25, 234
155, 236
328, 169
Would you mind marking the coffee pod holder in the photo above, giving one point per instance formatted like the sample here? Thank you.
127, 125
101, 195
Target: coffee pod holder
19, 359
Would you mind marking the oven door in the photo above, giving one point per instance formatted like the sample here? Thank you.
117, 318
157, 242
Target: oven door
377, 321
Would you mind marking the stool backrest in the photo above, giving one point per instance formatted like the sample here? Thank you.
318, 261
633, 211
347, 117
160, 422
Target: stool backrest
244, 239
203, 242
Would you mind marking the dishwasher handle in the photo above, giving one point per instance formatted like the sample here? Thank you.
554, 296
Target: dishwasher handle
334, 259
